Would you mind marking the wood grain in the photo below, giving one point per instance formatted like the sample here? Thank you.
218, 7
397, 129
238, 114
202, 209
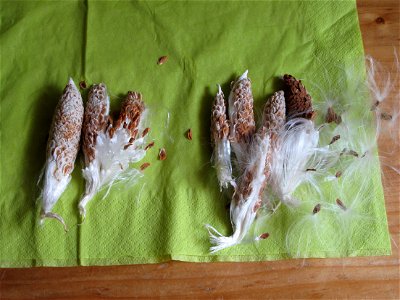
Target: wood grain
365, 277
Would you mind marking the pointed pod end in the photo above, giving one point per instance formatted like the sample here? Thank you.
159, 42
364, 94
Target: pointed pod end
219, 89
244, 75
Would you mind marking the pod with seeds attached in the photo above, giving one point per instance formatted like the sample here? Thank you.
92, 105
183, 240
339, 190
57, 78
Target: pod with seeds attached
298, 100
247, 197
62, 148
241, 116
221, 145
109, 147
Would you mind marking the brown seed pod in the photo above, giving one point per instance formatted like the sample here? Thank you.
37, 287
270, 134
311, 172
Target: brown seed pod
162, 60
298, 101
241, 110
162, 154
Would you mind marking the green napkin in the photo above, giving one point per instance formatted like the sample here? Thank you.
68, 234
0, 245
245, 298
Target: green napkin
162, 217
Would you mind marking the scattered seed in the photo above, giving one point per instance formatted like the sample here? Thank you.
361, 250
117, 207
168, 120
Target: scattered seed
144, 166
332, 116
375, 105
311, 169
334, 139
162, 154
131, 140
316, 209
149, 146
189, 134
385, 116
162, 60
348, 152
340, 204
145, 131
264, 236
82, 84
338, 174
127, 146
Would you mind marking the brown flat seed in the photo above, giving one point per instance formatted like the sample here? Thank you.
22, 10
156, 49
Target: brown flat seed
316, 209
189, 134
340, 204
334, 139
126, 146
264, 236
162, 60
144, 166
385, 116
149, 146
82, 84
338, 174
131, 140
311, 169
162, 154
145, 131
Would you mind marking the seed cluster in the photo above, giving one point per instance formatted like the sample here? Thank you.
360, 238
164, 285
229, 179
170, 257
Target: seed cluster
96, 120
298, 101
65, 132
243, 124
219, 122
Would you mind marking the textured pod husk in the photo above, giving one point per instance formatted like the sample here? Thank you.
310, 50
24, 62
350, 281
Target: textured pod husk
247, 196
109, 147
298, 100
220, 141
62, 148
241, 116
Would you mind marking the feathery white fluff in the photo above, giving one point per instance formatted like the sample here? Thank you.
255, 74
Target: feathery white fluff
296, 151
243, 212
113, 153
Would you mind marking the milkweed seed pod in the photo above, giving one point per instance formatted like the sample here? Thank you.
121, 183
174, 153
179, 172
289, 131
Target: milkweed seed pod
109, 147
247, 197
241, 115
220, 141
62, 148
298, 101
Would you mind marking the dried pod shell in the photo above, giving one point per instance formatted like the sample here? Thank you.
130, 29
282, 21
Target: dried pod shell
109, 147
95, 120
298, 101
62, 148
241, 113
274, 113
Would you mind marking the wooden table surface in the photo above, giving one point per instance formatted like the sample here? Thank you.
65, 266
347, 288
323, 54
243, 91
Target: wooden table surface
366, 277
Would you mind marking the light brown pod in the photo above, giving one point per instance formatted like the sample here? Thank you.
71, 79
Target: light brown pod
62, 148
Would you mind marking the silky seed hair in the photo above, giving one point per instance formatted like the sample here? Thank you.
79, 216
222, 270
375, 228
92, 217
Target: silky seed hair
96, 119
298, 100
241, 110
65, 132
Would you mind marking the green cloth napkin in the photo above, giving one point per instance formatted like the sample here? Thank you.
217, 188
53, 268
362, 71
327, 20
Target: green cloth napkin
119, 42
